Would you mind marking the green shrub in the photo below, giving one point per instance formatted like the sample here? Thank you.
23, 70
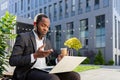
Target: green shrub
79, 54
7, 23
99, 60
110, 62
86, 61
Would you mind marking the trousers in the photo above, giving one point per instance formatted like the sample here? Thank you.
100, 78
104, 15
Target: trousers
35, 74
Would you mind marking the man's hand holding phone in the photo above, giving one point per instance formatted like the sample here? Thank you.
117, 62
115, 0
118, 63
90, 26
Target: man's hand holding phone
42, 53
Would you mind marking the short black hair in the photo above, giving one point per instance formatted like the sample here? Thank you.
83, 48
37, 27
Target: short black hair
39, 18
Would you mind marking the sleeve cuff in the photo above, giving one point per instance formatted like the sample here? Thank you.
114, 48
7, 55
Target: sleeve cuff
32, 58
56, 61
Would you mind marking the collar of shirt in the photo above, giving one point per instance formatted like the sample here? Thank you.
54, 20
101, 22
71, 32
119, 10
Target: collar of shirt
40, 63
36, 36
39, 42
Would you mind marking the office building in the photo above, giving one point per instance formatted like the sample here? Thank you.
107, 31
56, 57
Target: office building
4, 4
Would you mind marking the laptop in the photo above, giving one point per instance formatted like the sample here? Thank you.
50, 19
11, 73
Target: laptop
67, 64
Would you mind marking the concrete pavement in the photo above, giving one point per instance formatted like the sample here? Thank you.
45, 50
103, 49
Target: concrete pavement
104, 73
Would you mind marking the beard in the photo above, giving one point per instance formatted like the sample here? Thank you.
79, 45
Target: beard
39, 33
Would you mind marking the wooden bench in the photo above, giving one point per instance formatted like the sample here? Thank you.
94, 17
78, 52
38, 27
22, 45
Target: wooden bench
7, 75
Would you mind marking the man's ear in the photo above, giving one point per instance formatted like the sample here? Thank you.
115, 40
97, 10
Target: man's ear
34, 23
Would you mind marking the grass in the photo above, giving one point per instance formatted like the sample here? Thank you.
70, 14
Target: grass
85, 68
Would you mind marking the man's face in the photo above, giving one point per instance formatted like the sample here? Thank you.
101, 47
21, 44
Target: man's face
43, 26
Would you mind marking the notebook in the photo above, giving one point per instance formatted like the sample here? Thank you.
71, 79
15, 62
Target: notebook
68, 63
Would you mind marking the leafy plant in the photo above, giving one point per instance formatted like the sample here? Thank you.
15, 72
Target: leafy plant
79, 54
7, 23
86, 61
110, 62
73, 43
99, 60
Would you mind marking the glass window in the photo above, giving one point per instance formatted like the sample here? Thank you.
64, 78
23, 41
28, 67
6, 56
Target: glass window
96, 4
45, 1
36, 3
73, 6
28, 15
79, 6
49, 0
115, 19
100, 31
88, 8
105, 3
21, 4
84, 32
58, 36
55, 11
60, 10
49, 34
32, 4
66, 8
87, 3
15, 7
40, 10
28, 1
25, 5
40, 2
70, 28
50, 12
45, 10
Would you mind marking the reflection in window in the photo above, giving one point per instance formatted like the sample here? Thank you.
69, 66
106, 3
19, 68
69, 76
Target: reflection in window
40, 2
45, 10
66, 8
73, 8
105, 3
49, 34
25, 6
28, 1
50, 12
32, 4
55, 11
79, 6
60, 10
21, 4
88, 8
15, 7
96, 4
36, 3
40, 10
58, 36
84, 32
115, 19
45, 1
100, 31
70, 28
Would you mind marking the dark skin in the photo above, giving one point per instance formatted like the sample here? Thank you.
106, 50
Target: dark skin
41, 30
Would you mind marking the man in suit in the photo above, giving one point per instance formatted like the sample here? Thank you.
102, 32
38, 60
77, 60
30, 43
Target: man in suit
32, 51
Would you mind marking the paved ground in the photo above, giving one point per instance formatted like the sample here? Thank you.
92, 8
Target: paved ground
104, 73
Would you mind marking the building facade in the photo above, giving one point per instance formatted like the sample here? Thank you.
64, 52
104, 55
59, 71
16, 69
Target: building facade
4, 4
95, 22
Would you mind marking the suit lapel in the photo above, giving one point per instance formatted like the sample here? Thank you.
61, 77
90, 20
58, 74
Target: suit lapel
33, 40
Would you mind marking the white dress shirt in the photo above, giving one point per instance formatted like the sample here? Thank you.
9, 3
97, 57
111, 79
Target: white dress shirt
40, 63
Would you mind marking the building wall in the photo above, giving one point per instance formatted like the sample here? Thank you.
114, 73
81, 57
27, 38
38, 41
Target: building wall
3, 7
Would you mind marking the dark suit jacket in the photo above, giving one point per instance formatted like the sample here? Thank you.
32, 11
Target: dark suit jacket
25, 45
